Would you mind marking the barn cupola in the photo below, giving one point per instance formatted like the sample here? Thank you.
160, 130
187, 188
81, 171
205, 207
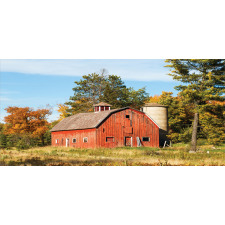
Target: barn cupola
102, 106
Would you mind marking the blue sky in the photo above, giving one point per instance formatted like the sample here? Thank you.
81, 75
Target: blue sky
36, 83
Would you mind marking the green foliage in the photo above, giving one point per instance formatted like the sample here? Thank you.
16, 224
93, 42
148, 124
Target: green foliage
22, 141
180, 117
203, 81
3, 140
115, 92
213, 126
22, 144
94, 88
137, 98
47, 135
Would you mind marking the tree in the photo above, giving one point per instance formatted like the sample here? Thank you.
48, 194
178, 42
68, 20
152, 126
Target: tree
213, 119
26, 121
3, 137
202, 80
179, 115
94, 88
62, 109
38, 123
115, 92
180, 118
136, 99
87, 92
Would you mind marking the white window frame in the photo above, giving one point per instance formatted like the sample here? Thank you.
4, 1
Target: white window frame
85, 141
57, 141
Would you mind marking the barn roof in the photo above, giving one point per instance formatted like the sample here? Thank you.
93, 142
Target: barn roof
82, 121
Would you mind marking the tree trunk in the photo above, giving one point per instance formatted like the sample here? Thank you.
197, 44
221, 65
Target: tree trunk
194, 133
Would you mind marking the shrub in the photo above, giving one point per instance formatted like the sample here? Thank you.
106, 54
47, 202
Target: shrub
3, 140
22, 145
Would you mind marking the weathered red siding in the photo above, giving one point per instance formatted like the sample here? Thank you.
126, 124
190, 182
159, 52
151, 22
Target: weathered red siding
78, 134
119, 127
123, 125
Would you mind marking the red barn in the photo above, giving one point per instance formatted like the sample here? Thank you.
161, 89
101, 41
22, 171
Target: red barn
106, 128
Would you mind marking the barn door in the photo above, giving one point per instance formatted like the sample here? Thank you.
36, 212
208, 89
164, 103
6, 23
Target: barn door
67, 142
128, 141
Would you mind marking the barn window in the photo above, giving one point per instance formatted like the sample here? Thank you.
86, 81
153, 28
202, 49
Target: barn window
146, 139
74, 140
128, 116
109, 139
85, 139
57, 141
103, 130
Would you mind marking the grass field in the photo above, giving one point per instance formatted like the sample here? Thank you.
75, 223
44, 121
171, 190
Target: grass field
174, 156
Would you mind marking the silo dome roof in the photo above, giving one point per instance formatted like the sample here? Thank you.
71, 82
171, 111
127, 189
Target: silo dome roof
154, 105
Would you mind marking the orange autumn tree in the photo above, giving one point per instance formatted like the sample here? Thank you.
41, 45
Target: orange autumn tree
27, 121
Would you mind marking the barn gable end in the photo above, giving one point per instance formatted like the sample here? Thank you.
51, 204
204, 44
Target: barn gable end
127, 124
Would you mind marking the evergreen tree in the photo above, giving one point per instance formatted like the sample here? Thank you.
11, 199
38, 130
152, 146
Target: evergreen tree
202, 80
115, 92
88, 91
94, 88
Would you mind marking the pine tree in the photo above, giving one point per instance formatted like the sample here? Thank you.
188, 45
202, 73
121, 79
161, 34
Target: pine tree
115, 92
202, 80
94, 88
88, 91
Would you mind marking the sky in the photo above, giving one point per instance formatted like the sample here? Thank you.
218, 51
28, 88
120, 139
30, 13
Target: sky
40, 82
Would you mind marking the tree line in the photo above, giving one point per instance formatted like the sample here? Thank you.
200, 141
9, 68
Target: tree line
196, 112
211, 125
202, 83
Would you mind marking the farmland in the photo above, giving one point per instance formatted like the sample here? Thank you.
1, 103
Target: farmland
177, 155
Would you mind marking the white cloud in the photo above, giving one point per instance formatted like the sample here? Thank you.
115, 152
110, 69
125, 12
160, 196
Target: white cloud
4, 99
143, 70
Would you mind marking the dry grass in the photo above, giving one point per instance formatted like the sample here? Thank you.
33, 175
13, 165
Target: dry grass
175, 156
